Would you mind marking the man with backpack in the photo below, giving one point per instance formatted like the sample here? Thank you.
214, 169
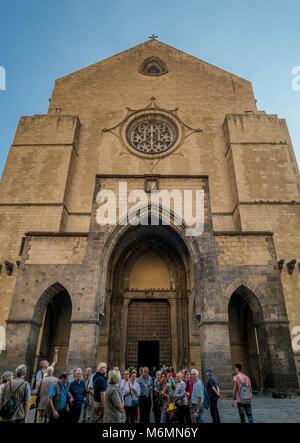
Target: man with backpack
242, 389
14, 402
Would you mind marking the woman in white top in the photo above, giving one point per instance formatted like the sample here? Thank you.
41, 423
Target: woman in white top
131, 392
181, 400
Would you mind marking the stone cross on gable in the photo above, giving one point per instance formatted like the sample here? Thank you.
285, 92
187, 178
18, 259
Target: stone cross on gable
153, 37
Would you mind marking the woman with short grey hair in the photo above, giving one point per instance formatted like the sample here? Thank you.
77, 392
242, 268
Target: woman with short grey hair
131, 392
181, 400
114, 411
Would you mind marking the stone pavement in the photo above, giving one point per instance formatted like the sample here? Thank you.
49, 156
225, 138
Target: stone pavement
265, 410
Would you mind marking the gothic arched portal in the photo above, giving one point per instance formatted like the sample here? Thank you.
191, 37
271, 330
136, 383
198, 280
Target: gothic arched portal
148, 298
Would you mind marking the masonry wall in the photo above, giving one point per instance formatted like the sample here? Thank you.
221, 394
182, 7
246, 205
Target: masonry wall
268, 188
33, 187
101, 94
284, 220
49, 177
243, 251
56, 250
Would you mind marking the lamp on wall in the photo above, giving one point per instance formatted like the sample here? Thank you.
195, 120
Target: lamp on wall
291, 266
280, 264
101, 318
198, 317
18, 264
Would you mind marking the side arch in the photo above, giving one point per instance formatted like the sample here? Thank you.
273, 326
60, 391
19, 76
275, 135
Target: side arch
45, 298
246, 286
246, 333
50, 327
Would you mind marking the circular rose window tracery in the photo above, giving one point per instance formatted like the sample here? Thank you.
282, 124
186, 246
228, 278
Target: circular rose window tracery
152, 134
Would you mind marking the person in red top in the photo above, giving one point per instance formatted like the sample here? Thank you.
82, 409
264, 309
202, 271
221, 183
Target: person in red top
189, 384
243, 408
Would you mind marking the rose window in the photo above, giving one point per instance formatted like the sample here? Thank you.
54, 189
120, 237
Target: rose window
152, 134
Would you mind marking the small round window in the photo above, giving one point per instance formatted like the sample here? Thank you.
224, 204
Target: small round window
152, 133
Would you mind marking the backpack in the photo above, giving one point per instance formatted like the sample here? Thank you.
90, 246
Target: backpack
206, 400
9, 407
244, 391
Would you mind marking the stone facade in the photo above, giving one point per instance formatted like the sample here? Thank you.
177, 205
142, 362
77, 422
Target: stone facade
217, 297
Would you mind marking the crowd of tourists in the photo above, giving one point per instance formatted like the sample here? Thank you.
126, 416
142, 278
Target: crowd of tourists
108, 397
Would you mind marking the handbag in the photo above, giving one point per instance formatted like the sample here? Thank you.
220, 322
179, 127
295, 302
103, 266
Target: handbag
178, 402
172, 413
171, 407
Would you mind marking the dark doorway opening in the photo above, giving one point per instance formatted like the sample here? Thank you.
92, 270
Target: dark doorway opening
243, 337
57, 329
149, 322
148, 354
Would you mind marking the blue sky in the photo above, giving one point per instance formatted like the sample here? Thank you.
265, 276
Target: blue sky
41, 41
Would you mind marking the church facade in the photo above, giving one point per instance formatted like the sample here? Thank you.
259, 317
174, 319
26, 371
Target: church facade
140, 290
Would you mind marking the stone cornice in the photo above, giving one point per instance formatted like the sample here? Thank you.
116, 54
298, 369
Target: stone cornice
242, 234
23, 321
189, 176
48, 204
280, 143
257, 202
88, 322
272, 322
56, 234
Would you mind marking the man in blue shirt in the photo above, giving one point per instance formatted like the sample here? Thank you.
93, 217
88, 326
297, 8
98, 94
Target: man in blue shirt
197, 397
78, 391
57, 400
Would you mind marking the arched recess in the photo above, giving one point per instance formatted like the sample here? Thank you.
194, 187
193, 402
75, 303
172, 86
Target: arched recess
53, 310
246, 333
149, 271
153, 66
187, 246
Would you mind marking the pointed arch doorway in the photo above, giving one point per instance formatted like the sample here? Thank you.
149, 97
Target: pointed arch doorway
148, 302
56, 327
244, 315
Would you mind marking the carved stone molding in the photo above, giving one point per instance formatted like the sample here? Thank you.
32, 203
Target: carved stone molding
153, 66
176, 131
